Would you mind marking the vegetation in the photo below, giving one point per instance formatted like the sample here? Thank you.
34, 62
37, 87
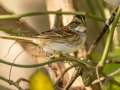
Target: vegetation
101, 68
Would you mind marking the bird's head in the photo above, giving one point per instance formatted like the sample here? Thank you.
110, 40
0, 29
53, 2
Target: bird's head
77, 25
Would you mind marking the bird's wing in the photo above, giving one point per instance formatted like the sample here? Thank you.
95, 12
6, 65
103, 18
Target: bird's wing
54, 34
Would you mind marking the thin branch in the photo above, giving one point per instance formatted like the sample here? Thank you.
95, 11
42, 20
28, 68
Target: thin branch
102, 33
64, 72
11, 82
7, 17
22, 79
9, 49
71, 81
103, 78
108, 43
45, 63
10, 72
109, 38
98, 69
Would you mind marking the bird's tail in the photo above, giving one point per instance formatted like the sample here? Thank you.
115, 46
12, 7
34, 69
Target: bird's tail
19, 38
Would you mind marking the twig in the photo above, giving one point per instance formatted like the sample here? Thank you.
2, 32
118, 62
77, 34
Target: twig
45, 63
11, 82
7, 17
103, 78
98, 69
107, 45
64, 72
100, 36
22, 79
109, 37
10, 72
71, 81
9, 49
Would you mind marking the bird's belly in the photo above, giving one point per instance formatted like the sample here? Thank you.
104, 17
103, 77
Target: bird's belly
60, 48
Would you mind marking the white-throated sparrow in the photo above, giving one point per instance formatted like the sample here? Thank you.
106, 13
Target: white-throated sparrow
63, 40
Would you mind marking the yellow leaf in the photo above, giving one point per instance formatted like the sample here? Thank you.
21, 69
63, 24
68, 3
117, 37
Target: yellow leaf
41, 81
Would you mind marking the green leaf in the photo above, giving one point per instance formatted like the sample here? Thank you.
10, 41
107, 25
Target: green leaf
110, 85
115, 54
109, 68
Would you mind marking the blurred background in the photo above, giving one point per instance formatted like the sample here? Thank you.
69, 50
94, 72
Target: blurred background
34, 25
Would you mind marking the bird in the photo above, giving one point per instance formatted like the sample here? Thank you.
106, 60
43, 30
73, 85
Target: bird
64, 40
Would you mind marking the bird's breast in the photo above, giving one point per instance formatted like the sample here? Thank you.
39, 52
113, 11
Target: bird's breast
60, 48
